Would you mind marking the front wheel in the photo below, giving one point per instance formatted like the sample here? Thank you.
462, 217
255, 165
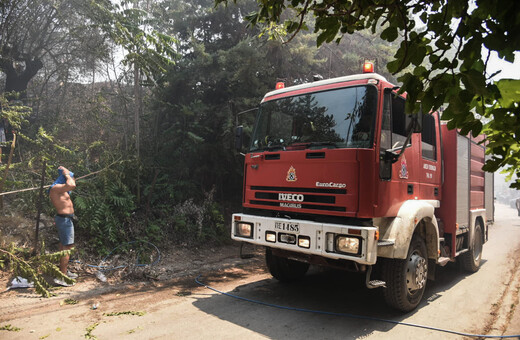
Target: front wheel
406, 279
470, 260
284, 269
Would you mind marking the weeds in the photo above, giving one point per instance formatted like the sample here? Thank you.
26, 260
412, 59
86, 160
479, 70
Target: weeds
10, 328
125, 313
70, 302
89, 330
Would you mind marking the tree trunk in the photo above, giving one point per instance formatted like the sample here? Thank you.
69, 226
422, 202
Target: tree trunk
138, 103
18, 77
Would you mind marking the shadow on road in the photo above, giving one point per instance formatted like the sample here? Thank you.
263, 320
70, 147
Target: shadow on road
321, 290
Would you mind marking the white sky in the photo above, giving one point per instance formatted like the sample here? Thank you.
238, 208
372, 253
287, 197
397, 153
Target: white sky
509, 70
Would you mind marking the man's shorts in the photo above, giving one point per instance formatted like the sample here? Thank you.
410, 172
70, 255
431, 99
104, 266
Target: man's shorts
65, 229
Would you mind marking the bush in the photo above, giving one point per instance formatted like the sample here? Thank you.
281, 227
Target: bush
197, 223
103, 209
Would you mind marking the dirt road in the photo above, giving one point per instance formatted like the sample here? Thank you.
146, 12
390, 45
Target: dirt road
485, 302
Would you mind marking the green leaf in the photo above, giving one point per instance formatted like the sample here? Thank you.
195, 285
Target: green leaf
509, 91
389, 34
393, 66
475, 81
195, 138
418, 55
421, 71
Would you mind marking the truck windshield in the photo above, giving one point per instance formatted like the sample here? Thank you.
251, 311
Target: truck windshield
340, 118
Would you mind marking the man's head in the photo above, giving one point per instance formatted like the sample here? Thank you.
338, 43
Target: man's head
61, 179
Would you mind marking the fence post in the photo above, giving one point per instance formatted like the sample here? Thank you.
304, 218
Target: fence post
40, 198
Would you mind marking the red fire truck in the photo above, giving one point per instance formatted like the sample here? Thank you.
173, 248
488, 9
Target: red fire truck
338, 175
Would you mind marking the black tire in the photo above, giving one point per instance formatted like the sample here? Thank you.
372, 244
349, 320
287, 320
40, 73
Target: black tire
284, 269
470, 260
406, 279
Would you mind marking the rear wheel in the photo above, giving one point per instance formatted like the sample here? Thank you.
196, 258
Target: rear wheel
284, 269
406, 279
470, 260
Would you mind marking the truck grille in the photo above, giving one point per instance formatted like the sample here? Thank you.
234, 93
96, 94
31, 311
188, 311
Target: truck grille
321, 199
311, 190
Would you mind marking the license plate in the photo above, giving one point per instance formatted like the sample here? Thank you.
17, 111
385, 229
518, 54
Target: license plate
287, 226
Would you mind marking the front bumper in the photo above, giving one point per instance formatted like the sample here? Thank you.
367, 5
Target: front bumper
307, 237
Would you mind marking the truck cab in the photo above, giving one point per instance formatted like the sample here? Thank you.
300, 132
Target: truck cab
337, 174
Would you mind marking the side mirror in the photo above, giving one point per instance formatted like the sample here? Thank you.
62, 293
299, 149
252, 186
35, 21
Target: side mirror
392, 155
239, 137
414, 122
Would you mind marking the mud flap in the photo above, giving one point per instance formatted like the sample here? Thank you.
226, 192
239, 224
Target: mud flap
242, 255
431, 269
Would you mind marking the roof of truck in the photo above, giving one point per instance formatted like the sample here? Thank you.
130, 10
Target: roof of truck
327, 82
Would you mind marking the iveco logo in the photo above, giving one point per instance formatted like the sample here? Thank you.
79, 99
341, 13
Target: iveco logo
290, 197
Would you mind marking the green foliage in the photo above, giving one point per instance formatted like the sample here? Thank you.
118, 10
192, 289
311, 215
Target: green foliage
9, 328
153, 231
503, 131
14, 112
89, 330
130, 312
33, 267
443, 56
133, 29
70, 302
103, 207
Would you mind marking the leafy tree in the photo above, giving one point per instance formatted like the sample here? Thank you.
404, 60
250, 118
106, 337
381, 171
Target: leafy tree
35, 33
146, 49
132, 25
446, 46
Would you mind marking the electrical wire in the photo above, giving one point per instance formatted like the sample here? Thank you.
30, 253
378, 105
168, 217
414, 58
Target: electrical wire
48, 186
354, 316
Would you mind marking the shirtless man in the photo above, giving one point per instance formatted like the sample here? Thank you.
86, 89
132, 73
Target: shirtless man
60, 198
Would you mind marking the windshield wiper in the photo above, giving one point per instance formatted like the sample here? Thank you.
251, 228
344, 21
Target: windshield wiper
271, 147
326, 143
274, 147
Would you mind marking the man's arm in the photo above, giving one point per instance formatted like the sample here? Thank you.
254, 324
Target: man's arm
70, 183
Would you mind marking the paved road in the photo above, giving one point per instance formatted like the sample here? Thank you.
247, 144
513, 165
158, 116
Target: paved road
483, 302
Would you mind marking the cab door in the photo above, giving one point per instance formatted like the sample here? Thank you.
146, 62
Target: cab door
398, 178
430, 173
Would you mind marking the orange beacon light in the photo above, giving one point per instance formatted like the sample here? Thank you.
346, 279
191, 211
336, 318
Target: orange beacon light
368, 67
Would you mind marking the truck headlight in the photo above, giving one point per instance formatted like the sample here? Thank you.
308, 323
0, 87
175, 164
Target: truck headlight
346, 244
244, 229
